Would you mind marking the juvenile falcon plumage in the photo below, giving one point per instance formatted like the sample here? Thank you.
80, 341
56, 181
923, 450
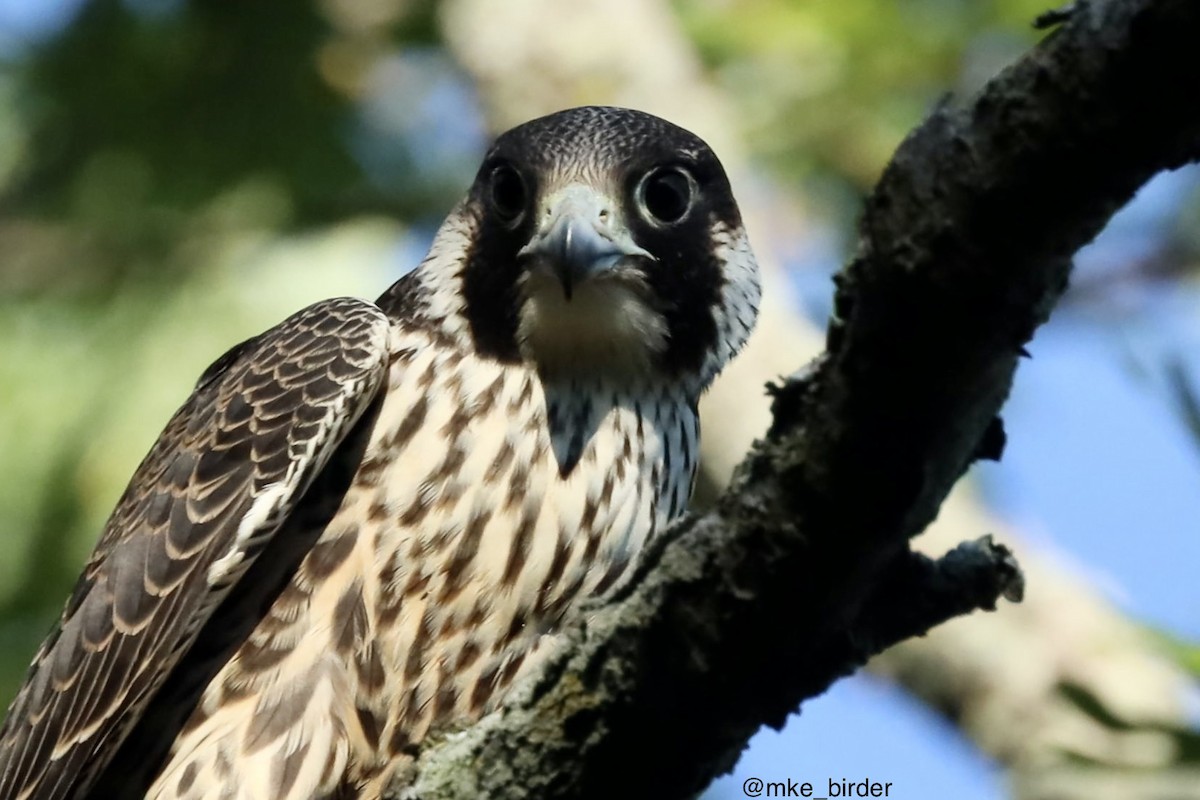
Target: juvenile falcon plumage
370, 519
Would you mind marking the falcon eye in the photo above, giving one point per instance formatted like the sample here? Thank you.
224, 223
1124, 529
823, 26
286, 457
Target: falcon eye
665, 195
507, 193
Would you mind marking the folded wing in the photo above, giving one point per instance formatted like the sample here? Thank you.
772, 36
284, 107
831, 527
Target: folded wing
229, 467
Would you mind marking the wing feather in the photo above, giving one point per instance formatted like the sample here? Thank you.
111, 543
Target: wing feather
230, 466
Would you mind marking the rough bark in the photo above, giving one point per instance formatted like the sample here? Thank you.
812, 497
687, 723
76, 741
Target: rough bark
804, 570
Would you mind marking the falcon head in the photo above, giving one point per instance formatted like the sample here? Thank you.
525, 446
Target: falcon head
603, 240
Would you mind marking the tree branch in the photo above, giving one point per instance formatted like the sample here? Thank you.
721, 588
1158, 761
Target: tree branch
803, 570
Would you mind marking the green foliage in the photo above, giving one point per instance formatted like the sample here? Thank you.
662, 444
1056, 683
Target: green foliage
832, 86
177, 107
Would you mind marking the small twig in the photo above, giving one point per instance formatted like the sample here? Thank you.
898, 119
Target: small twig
1056, 16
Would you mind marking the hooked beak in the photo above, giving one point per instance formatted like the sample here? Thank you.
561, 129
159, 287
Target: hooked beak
576, 239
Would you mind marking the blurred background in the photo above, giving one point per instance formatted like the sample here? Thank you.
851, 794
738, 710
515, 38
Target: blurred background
176, 176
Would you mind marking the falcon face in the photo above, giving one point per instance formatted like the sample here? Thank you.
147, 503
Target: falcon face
368, 522
607, 240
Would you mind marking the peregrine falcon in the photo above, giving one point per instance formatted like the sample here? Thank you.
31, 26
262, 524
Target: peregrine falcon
370, 520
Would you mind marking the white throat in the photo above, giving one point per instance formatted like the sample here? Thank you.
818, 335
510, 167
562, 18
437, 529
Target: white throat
606, 327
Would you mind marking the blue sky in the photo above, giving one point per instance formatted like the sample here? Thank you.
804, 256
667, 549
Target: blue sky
25, 22
1099, 462
866, 729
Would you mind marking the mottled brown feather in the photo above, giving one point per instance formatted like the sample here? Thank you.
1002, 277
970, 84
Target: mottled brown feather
145, 591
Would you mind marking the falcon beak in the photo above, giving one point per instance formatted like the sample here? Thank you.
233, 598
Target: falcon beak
577, 238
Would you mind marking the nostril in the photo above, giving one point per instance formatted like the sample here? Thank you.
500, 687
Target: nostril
604, 215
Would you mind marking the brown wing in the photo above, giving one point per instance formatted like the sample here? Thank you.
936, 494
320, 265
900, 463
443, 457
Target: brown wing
230, 466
